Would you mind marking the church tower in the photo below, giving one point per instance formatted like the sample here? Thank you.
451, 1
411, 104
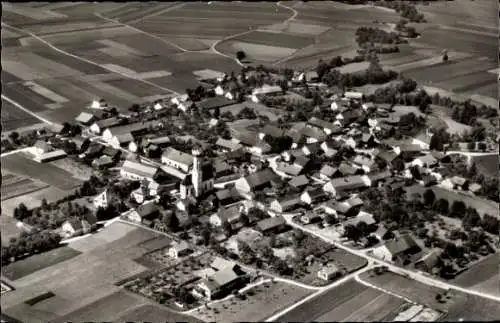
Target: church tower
196, 174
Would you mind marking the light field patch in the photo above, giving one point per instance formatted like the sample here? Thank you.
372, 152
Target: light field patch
68, 27
262, 52
120, 47
207, 74
152, 75
32, 13
36, 67
297, 28
115, 91
353, 67
51, 95
119, 69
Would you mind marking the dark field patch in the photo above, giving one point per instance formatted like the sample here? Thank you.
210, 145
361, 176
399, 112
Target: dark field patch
136, 88
84, 67
14, 118
276, 39
37, 262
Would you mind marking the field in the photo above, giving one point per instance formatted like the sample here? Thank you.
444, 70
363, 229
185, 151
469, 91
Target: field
14, 118
260, 303
154, 314
21, 164
9, 228
14, 185
79, 170
349, 301
272, 114
105, 258
487, 165
483, 276
37, 262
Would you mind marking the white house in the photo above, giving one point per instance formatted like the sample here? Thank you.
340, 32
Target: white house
137, 171
353, 95
425, 161
158, 106
219, 90
328, 272
312, 196
102, 200
179, 99
392, 249
132, 146
185, 106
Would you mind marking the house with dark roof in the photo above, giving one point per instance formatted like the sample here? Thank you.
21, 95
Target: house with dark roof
325, 126
394, 249
144, 213
219, 284
136, 171
425, 161
231, 215
312, 135
271, 225
286, 203
349, 183
365, 163
299, 181
86, 118
312, 149
228, 196
429, 261
328, 172
313, 195
255, 181
347, 170
379, 177
111, 152
179, 249
99, 126
228, 145
271, 131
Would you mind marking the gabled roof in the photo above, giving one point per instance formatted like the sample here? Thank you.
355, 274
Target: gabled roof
84, 117
313, 133
267, 89
40, 144
349, 182
301, 161
340, 207
355, 201
314, 147
160, 140
111, 152
287, 202
401, 244
260, 178
124, 138
363, 161
315, 193
220, 279
427, 159
322, 124
139, 169
220, 263
379, 175
229, 144
347, 169
293, 169
108, 123
270, 223
328, 170
299, 181
230, 214
75, 223
361, 217
178, 156
387, 156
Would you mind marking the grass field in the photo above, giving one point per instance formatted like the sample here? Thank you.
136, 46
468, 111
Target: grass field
154, 314
50, 174
84, 279
13, 185
37, 262
484, 276
264, 300
487, 165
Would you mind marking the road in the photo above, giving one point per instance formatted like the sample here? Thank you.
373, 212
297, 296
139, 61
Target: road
405, 272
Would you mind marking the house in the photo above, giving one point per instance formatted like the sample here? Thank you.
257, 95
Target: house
328, 172
355, 201
81, 144
111, 152
228, 145
475, 188
387, 156
328, 272
222, 168
50, 156
381, 232
346, 169
425, 161
394, 249
289, 170
103, 162
339, 105
228, 196
100, 126
290, 155
133, 129
310, 76
330, 144
423, 140
86, 118
429, 261
455, 182
312, 149
367, 140
215, 102
246, 235
311, 217
325, 126
353, 95
75, 226
271, 131
367, 164
122, 140
376, 179
285, 204
218, 285
93, 150
362, 216
104, 199
348, 117
177, 159
147, 190
255, 181
144, 213
258, 93
231, 215
179, 99
219, 264
299, 181
346, 184
367, 106
313, 196
275, 224
41, 147
136, 171
158, 141
185, 106
312, 135
179, 249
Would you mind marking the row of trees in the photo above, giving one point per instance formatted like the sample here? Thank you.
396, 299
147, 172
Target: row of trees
405, 9
29, 244
367, 35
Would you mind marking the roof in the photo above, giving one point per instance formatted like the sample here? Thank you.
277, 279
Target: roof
361, 217
178, 156
230, 214
349, 182
40, 144
322, 124
139, 169
366, 137
381, 230
328, 170
110, 151
301, 161
316, 192
355, 201
221, 278
387, 156
401, 244
329, 269
248, 138
84, 117
288, 202
212, 103
363, 161
132, 127
458, 180
267, 89
173, 171
221, 166
260, 178
180, 246
272, 131
379, 175
146, 209
340, 207
298, 181
313, 147
229, 144
410, 148
293, 170
75, 223
347, 169
102, 161
124, 138
160, 140
427, 159
313, 133
271, 223
220, 263
108, 123
431, 259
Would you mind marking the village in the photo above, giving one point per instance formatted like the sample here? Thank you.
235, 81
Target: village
247, 171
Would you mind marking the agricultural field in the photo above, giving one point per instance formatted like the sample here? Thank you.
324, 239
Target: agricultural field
14, 118
21, 164
349, 301
487, 164
27, 266
154, 313
259, 303
88, 277
483, 276
14, 185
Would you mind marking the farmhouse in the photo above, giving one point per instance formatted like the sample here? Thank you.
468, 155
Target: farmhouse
353, 95
227, 215
299, 181
122, 140
313, 196
228, 196
50, 156
228, 145
99, 126
133, 128
258, 93
255, 181
136, 171
285, 204
271, 131
425, 161
429, 261
177, 159
275, 224
346, 184
75, 226
310, 76
367, 164
144, 213
325, 126
41, 147
179, 249
219, 284
328, 272
86, 118
394, 249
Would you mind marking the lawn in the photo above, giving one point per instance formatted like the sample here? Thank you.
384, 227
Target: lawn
261, 302
21, 164
37, 262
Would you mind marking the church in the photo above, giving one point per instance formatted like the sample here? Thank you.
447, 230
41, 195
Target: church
201, 180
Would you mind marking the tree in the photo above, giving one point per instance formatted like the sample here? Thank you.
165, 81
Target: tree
398, 165
240, 55
471, 219
429, 197
458, 209
490, 224
134, 107
472, 170
441, 206
321, 69
14, 136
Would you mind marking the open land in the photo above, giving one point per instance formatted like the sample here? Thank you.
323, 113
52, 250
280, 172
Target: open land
483, 276
13, 185
105, 258
348, 301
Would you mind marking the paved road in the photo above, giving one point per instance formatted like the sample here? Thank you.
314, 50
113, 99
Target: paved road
408, 273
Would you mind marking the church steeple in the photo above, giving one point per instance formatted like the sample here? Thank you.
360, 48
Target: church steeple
196, 174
